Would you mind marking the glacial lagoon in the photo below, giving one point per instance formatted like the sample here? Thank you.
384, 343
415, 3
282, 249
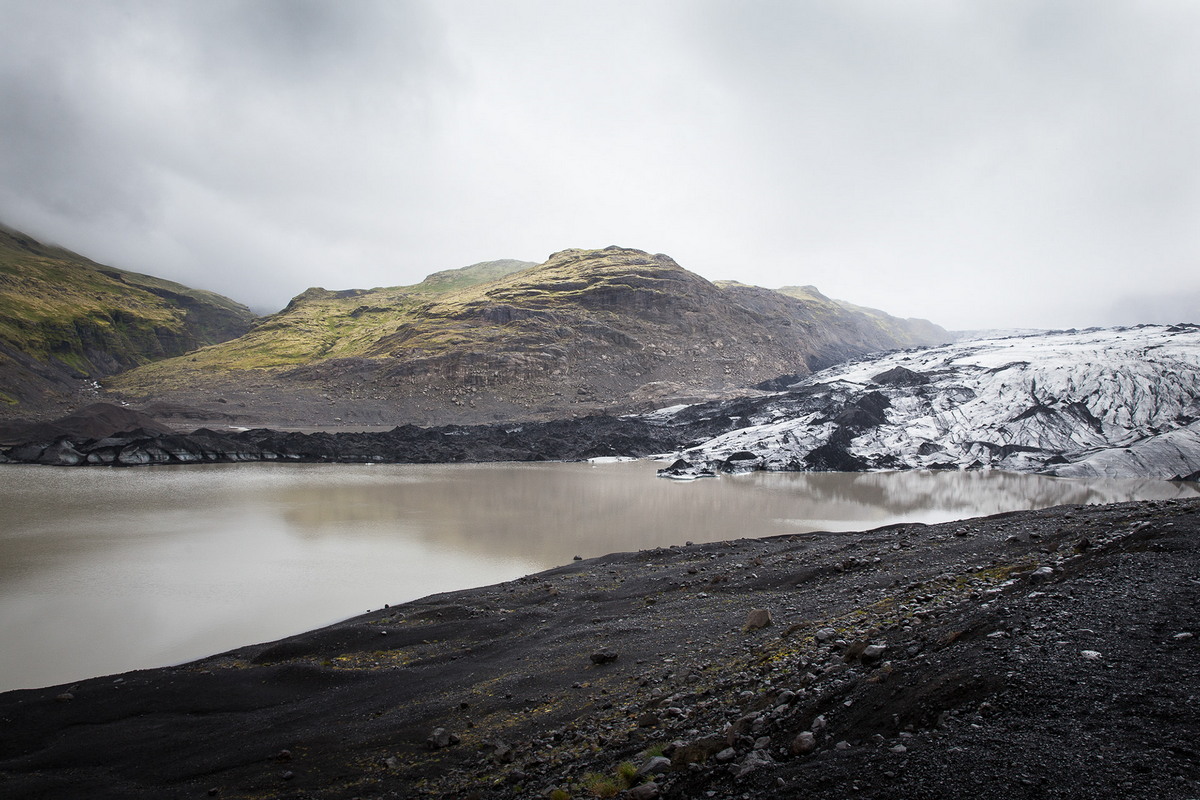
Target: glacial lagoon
107, 570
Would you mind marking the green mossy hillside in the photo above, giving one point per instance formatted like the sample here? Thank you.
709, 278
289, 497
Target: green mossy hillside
584, 329
63, 316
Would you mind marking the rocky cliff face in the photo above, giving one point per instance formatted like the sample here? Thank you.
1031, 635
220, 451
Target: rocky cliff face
1097, 403
65, 319
586, 331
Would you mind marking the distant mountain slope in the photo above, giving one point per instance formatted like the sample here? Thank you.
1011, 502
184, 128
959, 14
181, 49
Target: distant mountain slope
1098, 403
64, 318
587, 330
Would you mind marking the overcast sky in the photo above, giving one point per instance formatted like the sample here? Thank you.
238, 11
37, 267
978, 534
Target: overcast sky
980, 164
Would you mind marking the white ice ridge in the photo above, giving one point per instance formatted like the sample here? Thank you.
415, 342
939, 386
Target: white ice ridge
1119, 402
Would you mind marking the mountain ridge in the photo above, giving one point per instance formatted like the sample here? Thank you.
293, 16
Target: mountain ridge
586, 331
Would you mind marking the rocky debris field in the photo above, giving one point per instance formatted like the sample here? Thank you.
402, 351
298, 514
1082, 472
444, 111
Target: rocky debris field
1044, 654
71, 445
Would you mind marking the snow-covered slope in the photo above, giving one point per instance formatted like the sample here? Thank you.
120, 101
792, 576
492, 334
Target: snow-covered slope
1113, 402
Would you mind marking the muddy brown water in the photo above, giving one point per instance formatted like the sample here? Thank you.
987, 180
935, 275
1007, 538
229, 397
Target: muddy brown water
105, 570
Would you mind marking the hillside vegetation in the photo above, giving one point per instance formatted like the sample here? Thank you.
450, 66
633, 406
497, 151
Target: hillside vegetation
65, 318
586, 330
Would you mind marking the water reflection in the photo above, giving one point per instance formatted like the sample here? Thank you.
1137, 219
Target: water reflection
105, 570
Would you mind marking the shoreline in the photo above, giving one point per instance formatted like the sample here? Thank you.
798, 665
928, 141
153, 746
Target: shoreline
983, 623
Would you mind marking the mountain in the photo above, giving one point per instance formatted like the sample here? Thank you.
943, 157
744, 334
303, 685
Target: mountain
65, 319
1121, 402
585, 331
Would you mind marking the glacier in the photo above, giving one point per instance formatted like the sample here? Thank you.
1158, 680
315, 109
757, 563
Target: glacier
1112, 402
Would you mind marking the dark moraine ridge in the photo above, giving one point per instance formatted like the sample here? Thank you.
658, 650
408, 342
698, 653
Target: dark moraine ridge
106, 435
1043, 654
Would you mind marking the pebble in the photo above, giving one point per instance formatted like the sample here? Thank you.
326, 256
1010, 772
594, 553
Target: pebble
728, 754
1041, 574
439, 738
655, 766
754, 760
644, 791
1183, 637
1090, 655
873, 653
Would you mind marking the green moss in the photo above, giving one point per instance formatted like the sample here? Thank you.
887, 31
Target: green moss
58, 306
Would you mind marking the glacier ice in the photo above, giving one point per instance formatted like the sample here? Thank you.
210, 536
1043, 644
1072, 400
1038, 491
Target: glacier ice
1120, 402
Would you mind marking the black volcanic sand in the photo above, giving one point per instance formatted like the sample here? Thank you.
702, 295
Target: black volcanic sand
996, 680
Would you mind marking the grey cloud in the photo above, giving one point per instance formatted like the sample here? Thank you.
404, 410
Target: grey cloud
1023, 163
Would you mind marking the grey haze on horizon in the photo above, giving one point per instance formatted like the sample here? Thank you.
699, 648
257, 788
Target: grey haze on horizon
1032, 163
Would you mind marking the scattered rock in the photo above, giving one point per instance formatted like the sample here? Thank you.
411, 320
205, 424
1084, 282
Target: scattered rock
873, 654
805, 742
755, 760
1090, 655
728, 754
655, 766
758, 618
439, 738
604, 657
1041, 574
644, 791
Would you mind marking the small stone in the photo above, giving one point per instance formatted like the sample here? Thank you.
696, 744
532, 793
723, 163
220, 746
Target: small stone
762, 743
898, 749
604, 657
1183, 637
842, 745
655, 766
728, 754
391, 762
65, 697
287, 775
758, 618
648, 720
824, 634
805, 742
501, 752
439, 738
644, 791
578, 558
754, 760
1041, 574
873, 653
1090, 655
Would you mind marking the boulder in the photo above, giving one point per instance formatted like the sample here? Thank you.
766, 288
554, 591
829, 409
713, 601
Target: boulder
758, 618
